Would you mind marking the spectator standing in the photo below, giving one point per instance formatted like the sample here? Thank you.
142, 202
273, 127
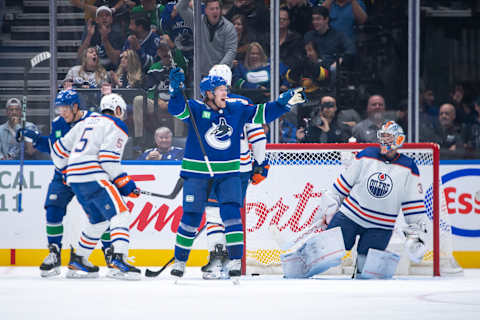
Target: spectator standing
256, 15
330, 44
219, 38
164, 149
9, 146
345, 14
174, 26
90, 73
291, 42
366, 130
152, 11
300, 13
244, 38
142, 40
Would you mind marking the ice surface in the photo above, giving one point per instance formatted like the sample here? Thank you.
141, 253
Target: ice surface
24, 295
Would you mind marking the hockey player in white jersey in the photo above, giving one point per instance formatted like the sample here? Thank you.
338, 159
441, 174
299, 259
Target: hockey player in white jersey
253, 134
89, 156
366, 199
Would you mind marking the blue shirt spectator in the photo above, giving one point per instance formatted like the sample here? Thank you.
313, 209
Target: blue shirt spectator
164, 149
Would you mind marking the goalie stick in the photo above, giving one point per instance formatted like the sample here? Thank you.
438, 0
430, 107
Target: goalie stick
152, 274
172, 195
42, 56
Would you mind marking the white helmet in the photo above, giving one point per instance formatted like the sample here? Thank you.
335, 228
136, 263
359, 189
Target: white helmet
222, 70
390, 136
111, 102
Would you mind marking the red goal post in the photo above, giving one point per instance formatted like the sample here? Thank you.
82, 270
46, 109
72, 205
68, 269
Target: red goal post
311, 167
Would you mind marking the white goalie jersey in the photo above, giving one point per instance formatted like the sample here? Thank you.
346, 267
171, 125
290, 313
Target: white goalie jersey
372, 190
92, 150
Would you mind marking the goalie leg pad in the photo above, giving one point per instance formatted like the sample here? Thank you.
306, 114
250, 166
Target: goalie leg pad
293, 265
323, 251
379, 264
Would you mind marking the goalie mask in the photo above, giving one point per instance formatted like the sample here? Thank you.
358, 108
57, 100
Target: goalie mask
210, 83
222, 70
390, 136
111, 102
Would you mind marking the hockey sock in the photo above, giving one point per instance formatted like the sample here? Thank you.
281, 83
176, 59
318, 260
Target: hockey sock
90, 237
230, 213
120, 233
186, 235
215, 228
55, 225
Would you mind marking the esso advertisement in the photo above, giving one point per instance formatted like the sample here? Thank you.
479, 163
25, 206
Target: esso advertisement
461, 187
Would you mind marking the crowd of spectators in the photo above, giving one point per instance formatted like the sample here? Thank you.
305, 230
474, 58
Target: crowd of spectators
133, 44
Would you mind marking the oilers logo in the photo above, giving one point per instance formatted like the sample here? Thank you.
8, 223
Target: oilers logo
379, 185
218, 135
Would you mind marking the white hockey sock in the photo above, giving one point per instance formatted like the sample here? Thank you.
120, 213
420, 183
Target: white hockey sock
120, 233
89, 238
215, 228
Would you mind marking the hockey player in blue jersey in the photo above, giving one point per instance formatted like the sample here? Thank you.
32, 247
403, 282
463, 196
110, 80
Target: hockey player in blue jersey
59, 195
252, 134
366, 199
220, 124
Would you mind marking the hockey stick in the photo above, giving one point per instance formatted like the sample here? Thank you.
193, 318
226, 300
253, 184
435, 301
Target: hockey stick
42, 56
152, 274
197, 133
172, 195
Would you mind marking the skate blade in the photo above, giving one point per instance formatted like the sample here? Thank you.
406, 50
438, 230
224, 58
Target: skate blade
119, 275
215, 276
78, 274
50, 273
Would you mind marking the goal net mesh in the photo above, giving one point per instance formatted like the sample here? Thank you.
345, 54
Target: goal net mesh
288, 201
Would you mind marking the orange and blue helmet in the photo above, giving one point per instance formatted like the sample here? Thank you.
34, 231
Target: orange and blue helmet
390, 129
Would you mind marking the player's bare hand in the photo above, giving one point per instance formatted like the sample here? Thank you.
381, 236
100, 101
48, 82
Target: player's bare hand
154, 155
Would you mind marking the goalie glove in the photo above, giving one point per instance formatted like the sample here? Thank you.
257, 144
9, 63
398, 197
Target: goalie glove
260, 171
415, 243
328, 207
126, 186
291, 97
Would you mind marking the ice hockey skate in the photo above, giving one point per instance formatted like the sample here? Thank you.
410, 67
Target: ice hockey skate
214, 269
178, 269
234, 268
80, 267
51, 265
120, 269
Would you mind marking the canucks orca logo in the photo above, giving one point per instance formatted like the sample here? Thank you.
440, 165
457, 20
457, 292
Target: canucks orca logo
379, 185
218, 136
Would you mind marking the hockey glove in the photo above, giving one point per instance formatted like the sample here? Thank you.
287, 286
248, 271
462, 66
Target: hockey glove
126, 186
260, 171
30, 135
177, 77
291, 98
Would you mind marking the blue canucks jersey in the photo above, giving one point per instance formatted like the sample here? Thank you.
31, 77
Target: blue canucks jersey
220, 132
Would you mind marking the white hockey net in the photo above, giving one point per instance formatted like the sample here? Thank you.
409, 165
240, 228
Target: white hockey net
288, 199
